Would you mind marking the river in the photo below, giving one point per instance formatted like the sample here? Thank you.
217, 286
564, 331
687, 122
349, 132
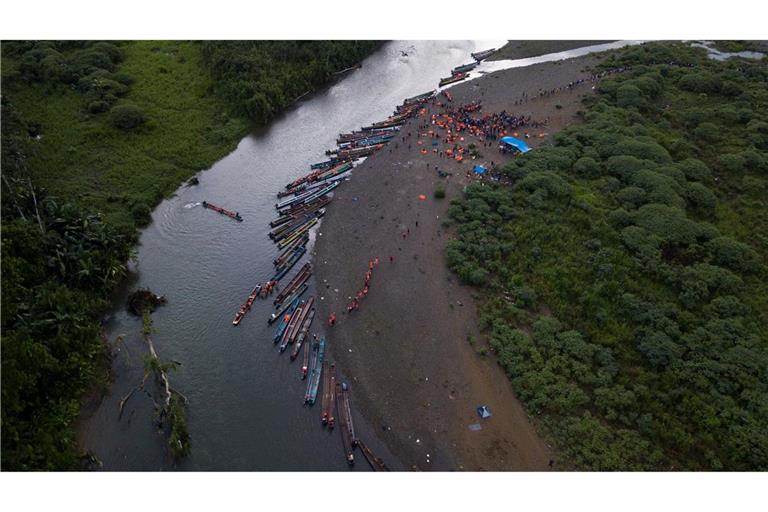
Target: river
245, 407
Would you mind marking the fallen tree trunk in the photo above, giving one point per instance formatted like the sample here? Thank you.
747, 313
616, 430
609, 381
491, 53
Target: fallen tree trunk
171, 410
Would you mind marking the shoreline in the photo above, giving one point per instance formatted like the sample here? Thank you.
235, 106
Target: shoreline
522, 49
416, 378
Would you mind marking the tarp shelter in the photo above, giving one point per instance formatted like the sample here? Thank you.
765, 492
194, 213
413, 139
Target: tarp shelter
484, 412
516, 144
479, 169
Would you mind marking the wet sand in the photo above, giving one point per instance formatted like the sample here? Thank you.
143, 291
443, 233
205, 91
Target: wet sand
406, 351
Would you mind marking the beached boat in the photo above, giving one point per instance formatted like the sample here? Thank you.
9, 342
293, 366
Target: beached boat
453, 78
246, 306
307, 196
285, 319
419, 97
325, 164
288, 251
371, 141
288, 265
478, 56
360, 152
317, 175
296, 323
464, 68
303, 333
376, 463
296, 320
299, 279
345, 421
315, 371
274, 317
305, 365
288, 230
329, 394
297, 234
294, 212
325, 400
321, 181
223, 211
353, 136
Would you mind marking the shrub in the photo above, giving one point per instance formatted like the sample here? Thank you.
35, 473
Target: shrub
142, 214
708, 132
631, 197
98, 106
700, 198
629, 96
586, 167
695, 169
669, 224
701, 81
127, 117
733, 254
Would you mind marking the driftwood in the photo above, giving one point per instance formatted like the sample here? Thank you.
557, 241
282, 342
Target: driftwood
350, 68
129, 395
301, 96
168, 409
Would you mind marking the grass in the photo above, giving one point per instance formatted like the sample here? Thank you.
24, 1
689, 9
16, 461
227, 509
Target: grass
83, 158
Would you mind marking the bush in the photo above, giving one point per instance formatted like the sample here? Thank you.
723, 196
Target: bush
142, 214
702, 81
629, 96
439, 192
127, 117
98, 106
700, 198
733, 254
695, 169
708, 132
586, 167
631, 197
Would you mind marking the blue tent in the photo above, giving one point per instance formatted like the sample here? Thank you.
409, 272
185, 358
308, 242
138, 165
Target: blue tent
479, 169
516, 143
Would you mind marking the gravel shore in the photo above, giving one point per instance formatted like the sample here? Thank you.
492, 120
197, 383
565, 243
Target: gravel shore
406, 351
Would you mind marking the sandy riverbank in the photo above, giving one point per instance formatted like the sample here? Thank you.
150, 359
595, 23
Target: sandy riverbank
406, 351
525, 49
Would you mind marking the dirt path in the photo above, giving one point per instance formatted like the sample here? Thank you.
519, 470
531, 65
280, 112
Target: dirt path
406, 351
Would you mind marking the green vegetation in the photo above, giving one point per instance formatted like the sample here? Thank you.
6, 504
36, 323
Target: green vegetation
261, 78
625, 268
94, 149
59, 264
94, 134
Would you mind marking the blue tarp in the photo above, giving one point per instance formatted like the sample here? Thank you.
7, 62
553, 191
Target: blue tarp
484, 412
516, 143
479, 169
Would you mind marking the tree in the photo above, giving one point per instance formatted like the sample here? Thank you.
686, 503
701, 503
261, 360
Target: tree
586, 167
700, 198
629, 96
735, 255
127, 117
